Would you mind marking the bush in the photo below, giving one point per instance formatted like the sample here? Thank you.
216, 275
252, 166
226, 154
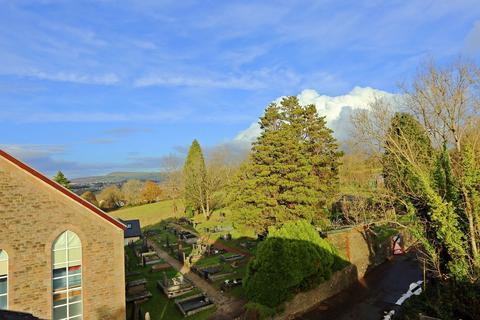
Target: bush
293, 258
258, 311
445, 300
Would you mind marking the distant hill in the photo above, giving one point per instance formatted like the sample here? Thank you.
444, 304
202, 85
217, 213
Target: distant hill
118, 177
97, 183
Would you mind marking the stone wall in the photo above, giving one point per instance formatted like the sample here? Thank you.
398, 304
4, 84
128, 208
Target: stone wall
355, 245
360, 248
305, 301
32, 215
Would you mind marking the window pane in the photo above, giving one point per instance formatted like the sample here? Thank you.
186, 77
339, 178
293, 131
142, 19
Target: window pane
60, 312
3, 285
3, 302
60, 284
3, 267
74, 270
59, 256
75, 309
75, 254
60, 243
75, 281
73, 240
3, 255
75, 295
60, 272
59, 299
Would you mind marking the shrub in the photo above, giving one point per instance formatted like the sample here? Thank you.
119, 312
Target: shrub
293, 258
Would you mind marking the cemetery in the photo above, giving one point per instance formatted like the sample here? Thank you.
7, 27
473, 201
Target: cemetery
194, 304
176, 286
152, 286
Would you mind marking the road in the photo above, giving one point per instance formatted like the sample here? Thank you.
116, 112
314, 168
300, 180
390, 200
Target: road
374, 294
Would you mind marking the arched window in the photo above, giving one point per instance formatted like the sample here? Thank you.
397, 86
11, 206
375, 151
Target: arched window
3, 279
67, 277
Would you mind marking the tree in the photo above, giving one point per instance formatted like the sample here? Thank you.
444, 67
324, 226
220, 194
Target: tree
430, 166
195, 177
90, 197
151, 192
62, 180
132, 191
292, 169
293, 257
110, 198
172, 166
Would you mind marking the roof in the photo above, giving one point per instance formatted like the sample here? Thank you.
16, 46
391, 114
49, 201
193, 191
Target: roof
61, 189
14, 315
133, 228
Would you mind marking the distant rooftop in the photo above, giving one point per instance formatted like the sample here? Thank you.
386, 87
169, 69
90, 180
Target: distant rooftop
133, 228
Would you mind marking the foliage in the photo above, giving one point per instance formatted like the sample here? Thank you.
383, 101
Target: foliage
195, 175
110, 198
90, 197
445, 300
292, 169
172, 165
151, 192
132, 191
62, 180
259, 311
432, 193
292, 258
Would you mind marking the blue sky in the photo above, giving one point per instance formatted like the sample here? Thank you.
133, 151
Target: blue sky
90, 87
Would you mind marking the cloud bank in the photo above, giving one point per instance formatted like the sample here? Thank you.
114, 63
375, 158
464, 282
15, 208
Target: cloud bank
336, 109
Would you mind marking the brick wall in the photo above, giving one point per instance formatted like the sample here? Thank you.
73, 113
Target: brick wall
32, 215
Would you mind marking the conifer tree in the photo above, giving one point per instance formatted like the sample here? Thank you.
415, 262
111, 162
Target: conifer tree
195, 176
291, 170
62, 180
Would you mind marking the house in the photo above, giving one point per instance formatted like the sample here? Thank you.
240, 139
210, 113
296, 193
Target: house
60, 256
133, 232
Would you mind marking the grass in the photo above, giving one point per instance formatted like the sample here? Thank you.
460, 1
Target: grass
149, 214
159, 306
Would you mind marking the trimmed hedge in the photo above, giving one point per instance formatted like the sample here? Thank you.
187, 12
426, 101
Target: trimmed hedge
293, 258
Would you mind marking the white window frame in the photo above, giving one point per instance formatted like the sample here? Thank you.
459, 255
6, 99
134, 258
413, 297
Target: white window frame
68, 290
5, 277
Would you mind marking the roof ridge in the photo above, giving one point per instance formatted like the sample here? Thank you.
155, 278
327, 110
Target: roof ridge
62, 189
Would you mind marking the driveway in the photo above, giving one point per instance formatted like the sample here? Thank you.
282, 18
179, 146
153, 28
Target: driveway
372, 295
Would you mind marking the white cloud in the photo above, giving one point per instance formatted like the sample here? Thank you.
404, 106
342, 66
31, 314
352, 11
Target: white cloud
103, 79
472, 41
249, 80
336, 109
331, 107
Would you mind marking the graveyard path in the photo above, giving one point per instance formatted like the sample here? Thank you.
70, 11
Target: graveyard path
227, 307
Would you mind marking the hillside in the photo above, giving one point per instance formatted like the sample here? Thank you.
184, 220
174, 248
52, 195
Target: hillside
149, 214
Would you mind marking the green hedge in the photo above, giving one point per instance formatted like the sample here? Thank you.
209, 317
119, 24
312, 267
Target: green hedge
293, 258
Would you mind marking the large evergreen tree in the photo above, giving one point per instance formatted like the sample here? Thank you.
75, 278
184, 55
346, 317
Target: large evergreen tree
291, 171
195, 176
62, 180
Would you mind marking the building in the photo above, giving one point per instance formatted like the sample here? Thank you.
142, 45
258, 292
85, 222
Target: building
60, 256
133, 232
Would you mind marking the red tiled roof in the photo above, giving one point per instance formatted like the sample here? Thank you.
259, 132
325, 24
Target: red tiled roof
63, 190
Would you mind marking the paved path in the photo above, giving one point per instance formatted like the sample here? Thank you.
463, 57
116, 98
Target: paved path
227, 307
372, 295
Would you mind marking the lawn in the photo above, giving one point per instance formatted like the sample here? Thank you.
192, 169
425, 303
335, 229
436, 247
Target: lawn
149, 214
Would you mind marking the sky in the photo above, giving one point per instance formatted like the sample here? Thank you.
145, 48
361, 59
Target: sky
91, 87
